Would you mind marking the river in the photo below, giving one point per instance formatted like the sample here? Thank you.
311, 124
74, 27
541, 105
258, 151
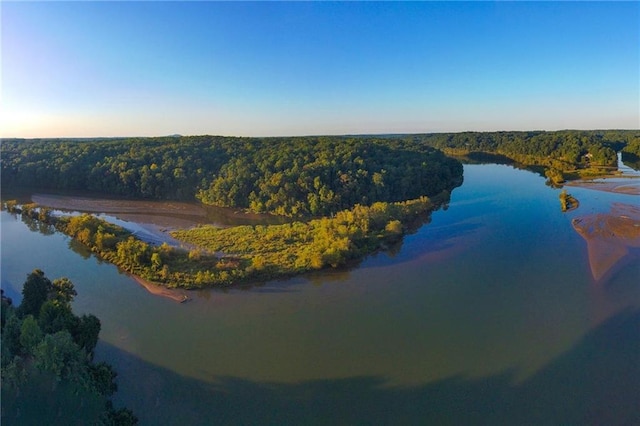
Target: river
488, 314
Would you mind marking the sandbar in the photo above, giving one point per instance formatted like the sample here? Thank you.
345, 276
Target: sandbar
619, 185
159, 290
609, 236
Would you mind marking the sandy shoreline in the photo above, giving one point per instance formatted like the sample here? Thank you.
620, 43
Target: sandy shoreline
158, 290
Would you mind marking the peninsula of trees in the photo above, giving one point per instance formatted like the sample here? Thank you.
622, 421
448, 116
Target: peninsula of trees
243, 254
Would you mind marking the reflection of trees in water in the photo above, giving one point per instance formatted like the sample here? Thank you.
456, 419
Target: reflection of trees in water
631, 160
38, 226
79, 248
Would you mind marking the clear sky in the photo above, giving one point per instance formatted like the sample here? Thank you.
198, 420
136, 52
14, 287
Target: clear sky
84, 69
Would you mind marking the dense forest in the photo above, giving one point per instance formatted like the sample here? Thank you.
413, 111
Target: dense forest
285, 176
48, 373
296, 176
631, 152
581, 152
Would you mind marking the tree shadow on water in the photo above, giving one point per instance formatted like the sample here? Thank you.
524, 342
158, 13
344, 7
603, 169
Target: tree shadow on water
596, 382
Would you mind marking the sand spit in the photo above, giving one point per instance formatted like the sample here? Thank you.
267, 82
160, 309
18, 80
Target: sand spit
609, 236
620, 185
158, 290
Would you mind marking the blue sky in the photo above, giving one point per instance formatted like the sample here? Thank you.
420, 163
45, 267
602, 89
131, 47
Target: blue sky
83, 69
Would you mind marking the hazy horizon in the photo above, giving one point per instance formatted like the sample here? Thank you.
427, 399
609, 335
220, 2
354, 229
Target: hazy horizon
93, 70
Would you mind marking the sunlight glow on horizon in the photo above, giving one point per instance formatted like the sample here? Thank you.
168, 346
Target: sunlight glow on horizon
286, 69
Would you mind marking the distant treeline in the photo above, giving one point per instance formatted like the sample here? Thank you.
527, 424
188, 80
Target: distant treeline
286, 176
295, 176
565, 150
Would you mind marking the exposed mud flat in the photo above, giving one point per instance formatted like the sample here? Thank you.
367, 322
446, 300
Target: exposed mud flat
160, 213
609, 236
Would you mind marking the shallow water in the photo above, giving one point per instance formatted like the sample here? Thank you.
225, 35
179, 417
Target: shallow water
488, 314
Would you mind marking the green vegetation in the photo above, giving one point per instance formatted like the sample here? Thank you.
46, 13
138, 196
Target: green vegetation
567, 201
48, 373
555, 177
631, 153
222, 257
362, 183
264, 252
574, 153
294, 177
298, 176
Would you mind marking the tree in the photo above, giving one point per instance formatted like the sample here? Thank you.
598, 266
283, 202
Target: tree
5, 307
11, 338
156, 261
394, 227
34, 293
30, 334
104, 378
58, 354
63, 291
57, 347
132, 252
121, 417
86, 333
56, 317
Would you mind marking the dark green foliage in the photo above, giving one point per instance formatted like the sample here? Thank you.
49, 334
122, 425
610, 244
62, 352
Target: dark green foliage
30, 335
86, 333
292, 176
46, 362
631, 153
301, 177
6, 304
565, 150
55, 317
121, 417
285, 176
11, 332
34, 293
104, 378
58, 354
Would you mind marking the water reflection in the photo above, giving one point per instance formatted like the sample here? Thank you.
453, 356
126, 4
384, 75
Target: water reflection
596, 381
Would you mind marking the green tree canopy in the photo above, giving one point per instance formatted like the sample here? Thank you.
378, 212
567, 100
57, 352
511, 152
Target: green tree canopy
35, 292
